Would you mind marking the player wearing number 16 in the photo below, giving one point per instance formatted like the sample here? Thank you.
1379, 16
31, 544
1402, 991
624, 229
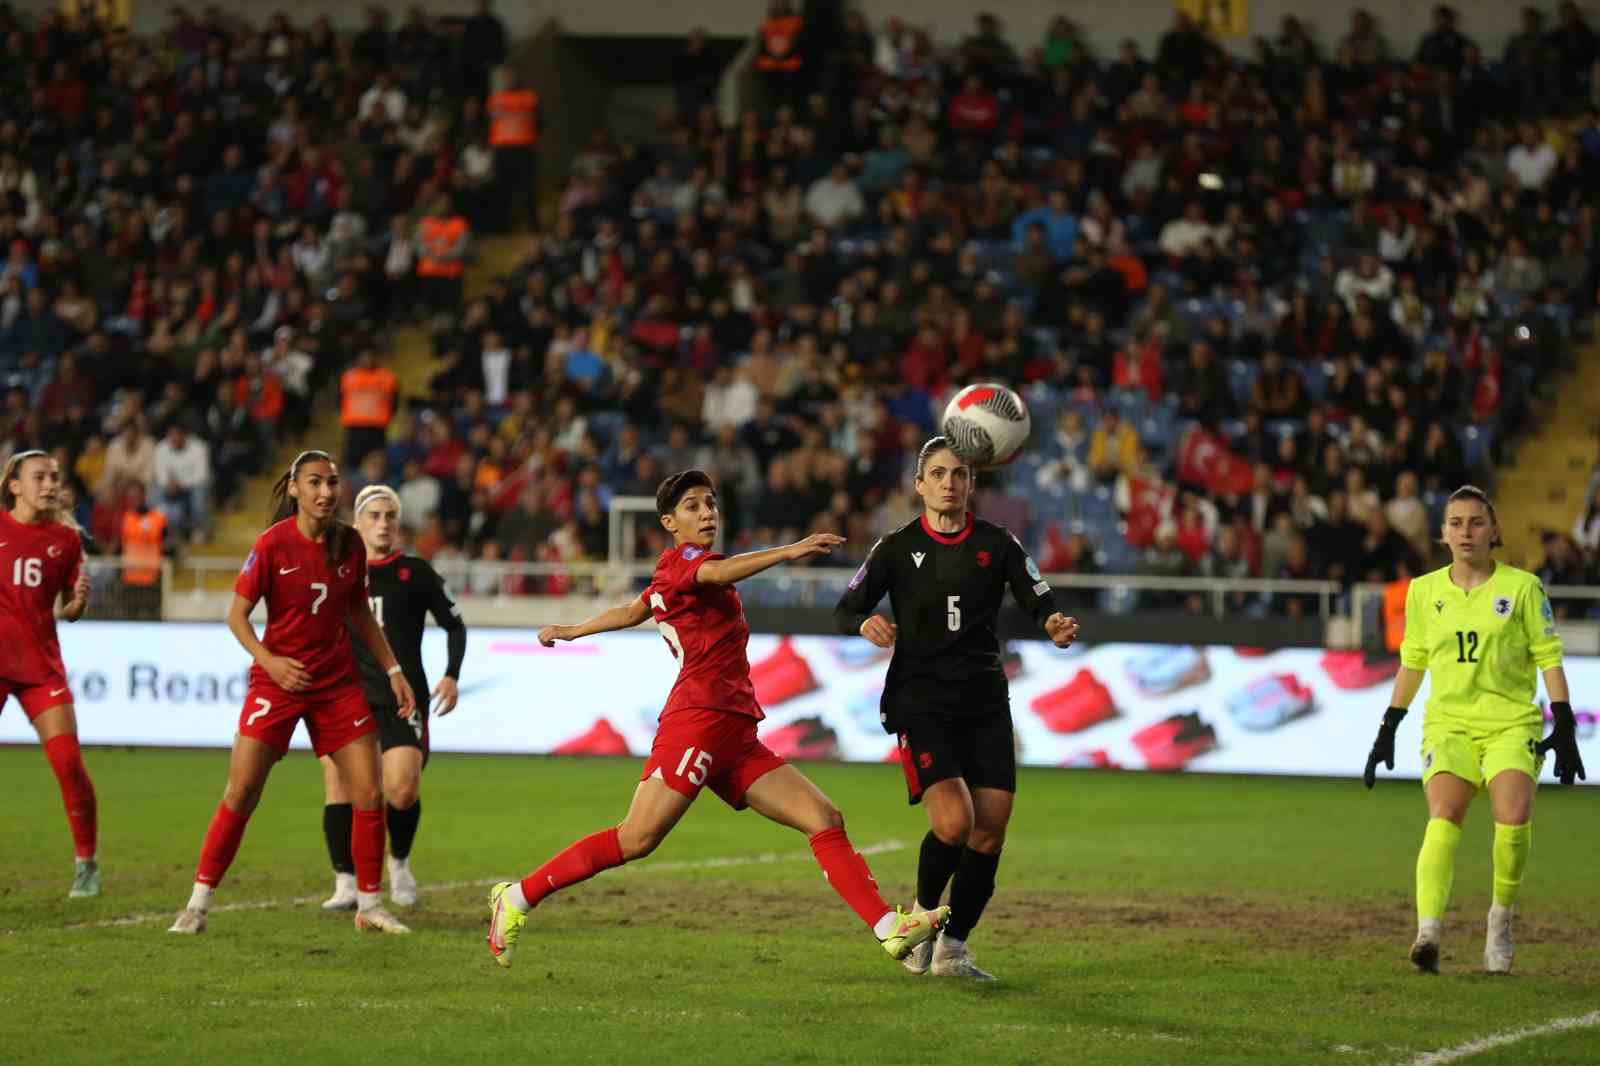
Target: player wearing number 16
706, 737
311, 569
1484, 631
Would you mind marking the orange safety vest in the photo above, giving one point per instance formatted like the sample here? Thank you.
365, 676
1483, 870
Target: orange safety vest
367, 397
439, 235
141, 547
1394, 613
511, 118
779, 39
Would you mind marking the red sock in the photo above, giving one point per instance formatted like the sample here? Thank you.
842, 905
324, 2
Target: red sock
366, 848
581, 860
221, 845
77, 791
849, 874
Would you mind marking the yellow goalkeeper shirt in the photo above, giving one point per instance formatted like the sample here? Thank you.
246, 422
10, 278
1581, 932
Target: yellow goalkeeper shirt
1483, 648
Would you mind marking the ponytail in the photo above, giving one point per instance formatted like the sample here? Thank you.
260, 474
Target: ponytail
286, 506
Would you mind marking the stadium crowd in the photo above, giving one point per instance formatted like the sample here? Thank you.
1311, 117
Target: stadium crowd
1265, 311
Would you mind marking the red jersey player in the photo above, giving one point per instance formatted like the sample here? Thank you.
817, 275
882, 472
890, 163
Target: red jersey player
312, 571
707, 731
41, 560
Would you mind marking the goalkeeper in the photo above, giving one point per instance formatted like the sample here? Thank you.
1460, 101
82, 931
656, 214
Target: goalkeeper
1484, 630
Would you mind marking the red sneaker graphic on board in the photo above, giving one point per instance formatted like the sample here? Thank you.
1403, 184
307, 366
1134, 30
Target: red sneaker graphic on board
601, 738
808, 738
1357, 669
1079, 704
781, 676
1172, 742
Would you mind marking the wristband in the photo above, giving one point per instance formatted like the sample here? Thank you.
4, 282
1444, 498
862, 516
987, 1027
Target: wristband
393, 670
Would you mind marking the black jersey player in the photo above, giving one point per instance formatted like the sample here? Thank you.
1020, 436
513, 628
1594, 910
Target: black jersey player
403, 590
945, 695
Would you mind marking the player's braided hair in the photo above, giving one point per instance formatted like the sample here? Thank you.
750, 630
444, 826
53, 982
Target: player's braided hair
285, 505
1473, 492
931, 445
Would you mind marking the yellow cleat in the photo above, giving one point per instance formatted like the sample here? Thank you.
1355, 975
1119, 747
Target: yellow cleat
505, 924
913, 929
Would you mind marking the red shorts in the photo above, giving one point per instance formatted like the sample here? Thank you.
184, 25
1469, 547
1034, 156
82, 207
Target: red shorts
36, 698
333, 718
697, 748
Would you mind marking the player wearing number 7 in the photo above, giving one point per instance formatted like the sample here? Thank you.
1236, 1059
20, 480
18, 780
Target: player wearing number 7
706, 737
1484, 631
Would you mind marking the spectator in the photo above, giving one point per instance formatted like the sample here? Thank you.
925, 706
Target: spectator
182, 482
834, 200
1531, 161
130, 458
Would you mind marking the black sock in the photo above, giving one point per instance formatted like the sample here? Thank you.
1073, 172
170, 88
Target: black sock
970, 894
403, 829
336, 821
934, 867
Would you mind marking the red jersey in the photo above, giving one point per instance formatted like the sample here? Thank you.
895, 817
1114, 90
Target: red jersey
308, 601
38, 561
704, 626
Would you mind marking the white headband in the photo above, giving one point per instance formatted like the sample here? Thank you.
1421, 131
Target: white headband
373, 492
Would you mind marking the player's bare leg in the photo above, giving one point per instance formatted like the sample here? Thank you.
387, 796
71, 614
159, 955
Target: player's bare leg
362, 777
249, 765
1448, 799
336, 827
655, 809
1511, 798
58, 734
402, 778
974, 884
789, 798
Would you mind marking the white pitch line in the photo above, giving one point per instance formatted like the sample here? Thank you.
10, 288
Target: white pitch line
1510, 1036
717, 863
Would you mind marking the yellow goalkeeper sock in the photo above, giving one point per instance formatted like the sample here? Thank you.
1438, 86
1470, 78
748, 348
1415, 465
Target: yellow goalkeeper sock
1511, 846
1436, 867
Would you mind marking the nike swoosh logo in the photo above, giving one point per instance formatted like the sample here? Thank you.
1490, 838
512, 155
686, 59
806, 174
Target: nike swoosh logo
361, 721
57, 691
290, 570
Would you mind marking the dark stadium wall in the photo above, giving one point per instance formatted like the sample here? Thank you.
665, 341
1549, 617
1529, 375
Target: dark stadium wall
1489, 22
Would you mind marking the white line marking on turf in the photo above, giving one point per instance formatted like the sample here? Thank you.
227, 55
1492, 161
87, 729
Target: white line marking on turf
1510, 1036
720, 862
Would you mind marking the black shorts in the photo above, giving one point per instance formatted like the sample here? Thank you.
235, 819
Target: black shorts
979, 749
396, 732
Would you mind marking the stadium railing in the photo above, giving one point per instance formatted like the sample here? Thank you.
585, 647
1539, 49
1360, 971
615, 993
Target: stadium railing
116, 594
1579, 635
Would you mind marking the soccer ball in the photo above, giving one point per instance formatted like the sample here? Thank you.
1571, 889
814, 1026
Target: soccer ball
987, 424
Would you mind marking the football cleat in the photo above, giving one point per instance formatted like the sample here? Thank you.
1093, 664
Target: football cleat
919, 958
1498, 947
951, 961
85, 880
344, 894
402, 883
912, 929
189, 921
379, 920
505, 924
1425, 949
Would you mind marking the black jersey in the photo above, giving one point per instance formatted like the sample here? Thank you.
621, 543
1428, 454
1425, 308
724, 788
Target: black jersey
946, 590
403, 590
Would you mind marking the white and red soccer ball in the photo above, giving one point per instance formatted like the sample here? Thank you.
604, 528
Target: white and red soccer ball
987, 424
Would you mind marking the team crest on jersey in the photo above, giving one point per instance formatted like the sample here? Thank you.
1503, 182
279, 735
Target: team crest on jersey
1502, 605
53, 551
344, 571
983, 557
692, 552
405, 573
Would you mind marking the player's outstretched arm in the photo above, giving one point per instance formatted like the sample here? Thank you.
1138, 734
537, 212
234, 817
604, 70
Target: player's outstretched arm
630, 614
738, 567
371, 634
854, 612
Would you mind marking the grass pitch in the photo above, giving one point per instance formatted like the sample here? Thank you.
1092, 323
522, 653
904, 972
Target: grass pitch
1139, 919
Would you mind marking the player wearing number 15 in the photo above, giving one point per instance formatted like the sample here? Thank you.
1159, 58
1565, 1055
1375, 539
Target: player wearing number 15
706, 737
41, 561
311, 569
1484, 631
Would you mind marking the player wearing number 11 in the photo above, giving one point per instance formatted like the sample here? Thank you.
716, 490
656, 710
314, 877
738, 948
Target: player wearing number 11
706, 737
1484, 632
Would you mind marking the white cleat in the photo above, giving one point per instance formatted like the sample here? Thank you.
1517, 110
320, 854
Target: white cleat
380, 921
402, 883
344, 894
1498, 948
189, 921
919, 958
1425, 949
951, 960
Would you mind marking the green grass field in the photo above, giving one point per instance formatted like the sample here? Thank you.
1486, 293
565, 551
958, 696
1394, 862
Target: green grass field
1139, 919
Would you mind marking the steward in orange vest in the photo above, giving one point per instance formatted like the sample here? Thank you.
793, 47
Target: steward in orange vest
441, 256
514, 134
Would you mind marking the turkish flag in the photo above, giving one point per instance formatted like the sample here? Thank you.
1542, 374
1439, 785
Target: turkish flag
1205, 461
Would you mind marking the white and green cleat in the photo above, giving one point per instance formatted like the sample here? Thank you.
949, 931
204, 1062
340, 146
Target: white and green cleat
85, 880
912, 929
505, 924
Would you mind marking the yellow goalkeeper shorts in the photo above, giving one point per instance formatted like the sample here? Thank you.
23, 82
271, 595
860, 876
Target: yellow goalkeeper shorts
1477, 758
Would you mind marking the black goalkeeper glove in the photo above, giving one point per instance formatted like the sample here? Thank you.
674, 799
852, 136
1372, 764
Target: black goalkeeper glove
1563, 740
1383, 748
